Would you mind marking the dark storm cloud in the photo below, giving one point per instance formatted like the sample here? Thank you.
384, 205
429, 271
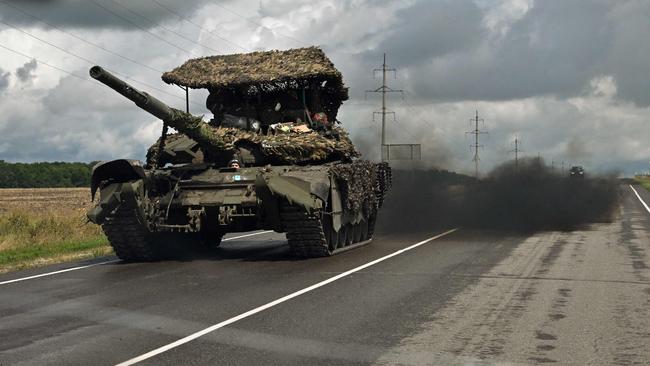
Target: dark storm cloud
88, 14
25, 73
556, 48
431, 29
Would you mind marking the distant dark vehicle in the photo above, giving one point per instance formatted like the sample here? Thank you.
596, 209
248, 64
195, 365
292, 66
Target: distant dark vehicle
272, 158
577, 172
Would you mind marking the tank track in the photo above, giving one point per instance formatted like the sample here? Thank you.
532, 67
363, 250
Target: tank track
307, 236
304, 232
383, 183
382, 186
128, 237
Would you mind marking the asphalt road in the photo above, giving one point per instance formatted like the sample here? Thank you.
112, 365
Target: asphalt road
469, 297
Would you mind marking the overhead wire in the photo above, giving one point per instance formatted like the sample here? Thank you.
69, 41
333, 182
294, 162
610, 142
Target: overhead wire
410, 108
103, 7
406, 130
198, 26
44, 63
91, 62
140, 27
80, 38
163, 27
260, 25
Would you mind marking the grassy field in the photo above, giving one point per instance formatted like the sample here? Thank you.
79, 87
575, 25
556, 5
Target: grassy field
644, 180
41, 226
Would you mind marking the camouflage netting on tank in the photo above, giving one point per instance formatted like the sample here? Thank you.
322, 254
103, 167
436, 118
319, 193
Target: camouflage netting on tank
281, 148
291, 148
357, 185
267, 70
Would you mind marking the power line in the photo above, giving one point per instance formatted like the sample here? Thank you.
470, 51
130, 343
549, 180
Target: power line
91, 62
410, 108
384, 89
163, 27
141, 28
81, 38
260, 25
45, 63
46, 42
199, 26
406, 130
516, 151
476, 132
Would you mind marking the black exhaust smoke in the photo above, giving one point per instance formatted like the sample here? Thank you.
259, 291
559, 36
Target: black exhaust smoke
532, 196
527, 196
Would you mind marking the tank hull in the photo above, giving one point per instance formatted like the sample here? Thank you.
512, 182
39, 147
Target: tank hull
324, 209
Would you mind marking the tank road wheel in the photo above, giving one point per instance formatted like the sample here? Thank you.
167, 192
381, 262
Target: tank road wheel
130, 240
310, 234
349, 229
350, 240
343, 237
363, 228
357, 232
331, 236
371, 225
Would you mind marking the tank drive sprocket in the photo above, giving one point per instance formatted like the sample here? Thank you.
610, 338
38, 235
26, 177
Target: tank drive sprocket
129, 238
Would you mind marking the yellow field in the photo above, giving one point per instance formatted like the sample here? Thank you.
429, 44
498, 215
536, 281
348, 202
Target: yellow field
48, 225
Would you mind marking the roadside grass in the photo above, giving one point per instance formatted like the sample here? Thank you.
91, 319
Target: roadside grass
644, 180
40, 227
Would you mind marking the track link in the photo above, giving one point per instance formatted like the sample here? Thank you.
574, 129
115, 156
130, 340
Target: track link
306, 234
383, 183
128, 237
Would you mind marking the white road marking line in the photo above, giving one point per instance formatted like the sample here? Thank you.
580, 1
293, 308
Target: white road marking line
640, 199
247, 235
271, 304
57, 272
107, 262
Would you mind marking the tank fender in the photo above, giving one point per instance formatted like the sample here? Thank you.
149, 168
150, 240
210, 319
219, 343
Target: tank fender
115, 195
115, 171
297, 191
271, 206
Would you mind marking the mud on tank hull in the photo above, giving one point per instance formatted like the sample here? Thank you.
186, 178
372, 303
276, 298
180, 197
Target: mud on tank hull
322, 209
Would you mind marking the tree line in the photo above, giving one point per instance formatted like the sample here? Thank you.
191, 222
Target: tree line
44, 175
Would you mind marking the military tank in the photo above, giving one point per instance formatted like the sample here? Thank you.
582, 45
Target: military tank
274, 157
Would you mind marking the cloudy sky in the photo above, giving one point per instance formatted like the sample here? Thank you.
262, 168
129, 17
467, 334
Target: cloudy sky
570, 79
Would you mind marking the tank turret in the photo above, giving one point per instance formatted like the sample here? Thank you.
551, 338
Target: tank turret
219, 144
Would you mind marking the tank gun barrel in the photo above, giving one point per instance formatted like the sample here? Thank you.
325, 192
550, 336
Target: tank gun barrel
140, 98
191, 126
